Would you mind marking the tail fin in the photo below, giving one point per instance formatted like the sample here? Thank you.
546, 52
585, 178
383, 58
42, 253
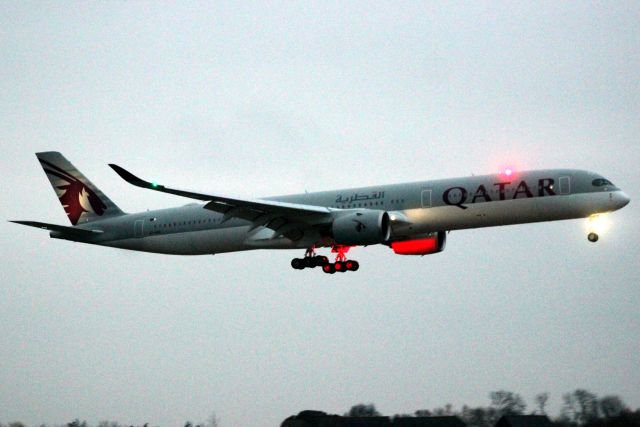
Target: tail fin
81, 200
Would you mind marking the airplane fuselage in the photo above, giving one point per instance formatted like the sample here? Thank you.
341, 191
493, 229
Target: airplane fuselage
415, 209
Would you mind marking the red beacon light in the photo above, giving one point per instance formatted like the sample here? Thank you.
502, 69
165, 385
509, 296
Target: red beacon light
507, 171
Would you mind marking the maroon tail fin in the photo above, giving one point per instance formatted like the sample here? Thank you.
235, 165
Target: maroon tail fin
81, 200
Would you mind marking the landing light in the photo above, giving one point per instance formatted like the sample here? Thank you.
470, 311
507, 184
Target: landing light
598, 224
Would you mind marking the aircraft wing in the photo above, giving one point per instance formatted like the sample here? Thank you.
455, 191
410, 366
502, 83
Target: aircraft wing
279, 216
72, 231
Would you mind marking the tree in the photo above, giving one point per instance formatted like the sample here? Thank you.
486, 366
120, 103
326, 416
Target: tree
588, 405
212, 421
612, 406
580, 407
541, 401
474, 417
362, 410
447, 410
569, 412
507, 403
423, 413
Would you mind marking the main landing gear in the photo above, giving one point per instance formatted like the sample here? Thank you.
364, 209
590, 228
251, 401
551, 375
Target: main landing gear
311, 260
593, 237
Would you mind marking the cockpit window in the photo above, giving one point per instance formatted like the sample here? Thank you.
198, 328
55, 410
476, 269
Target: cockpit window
601, 182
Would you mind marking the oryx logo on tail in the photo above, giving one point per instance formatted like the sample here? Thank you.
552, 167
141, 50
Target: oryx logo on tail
77, 198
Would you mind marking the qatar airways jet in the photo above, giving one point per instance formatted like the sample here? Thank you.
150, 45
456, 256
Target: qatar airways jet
410, 218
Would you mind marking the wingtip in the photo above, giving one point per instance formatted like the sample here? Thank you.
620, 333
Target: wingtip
131, 178
124, 174
115, 167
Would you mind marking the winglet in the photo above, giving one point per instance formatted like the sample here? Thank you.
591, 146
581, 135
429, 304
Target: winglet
134, 180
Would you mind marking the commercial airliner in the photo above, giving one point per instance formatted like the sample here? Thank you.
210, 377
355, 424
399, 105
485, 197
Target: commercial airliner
411, 218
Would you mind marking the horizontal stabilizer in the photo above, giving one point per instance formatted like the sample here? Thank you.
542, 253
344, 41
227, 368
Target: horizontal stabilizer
71, 231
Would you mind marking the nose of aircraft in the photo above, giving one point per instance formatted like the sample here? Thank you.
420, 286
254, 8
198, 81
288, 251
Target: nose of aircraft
622, 199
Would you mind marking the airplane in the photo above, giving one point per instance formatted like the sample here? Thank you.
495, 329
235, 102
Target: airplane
411, 218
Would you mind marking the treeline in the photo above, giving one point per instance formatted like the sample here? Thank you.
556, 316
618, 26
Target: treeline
212, 421
580, 408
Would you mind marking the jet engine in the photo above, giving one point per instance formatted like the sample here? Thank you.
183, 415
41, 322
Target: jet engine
431, 243
367, 227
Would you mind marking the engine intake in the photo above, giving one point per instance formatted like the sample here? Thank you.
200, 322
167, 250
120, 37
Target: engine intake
365, 227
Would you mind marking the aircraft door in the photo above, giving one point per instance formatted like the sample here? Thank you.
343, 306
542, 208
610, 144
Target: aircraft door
138, 228
426, 198
565, 185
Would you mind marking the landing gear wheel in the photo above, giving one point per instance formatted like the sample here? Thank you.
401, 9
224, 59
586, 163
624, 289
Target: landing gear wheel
593, 237
352, 265
329, 268
341, 266
297, 263
309, 262
321, 260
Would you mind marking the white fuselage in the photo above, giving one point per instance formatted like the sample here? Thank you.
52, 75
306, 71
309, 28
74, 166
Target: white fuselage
415, 209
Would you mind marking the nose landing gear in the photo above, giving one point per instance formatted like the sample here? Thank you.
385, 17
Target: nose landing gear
596, 225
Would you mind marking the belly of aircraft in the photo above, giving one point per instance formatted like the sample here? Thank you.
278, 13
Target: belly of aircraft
204, 242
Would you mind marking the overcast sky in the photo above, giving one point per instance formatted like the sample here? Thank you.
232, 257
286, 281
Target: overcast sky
257, 99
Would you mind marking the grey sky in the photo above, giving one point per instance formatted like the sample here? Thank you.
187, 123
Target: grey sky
270, 98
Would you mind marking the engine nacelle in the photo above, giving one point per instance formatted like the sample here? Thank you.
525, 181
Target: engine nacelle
366, 227
430, 244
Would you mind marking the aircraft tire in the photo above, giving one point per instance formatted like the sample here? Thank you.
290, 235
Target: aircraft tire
321, 260
297, 263
352, 265
329, 268
593, 237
